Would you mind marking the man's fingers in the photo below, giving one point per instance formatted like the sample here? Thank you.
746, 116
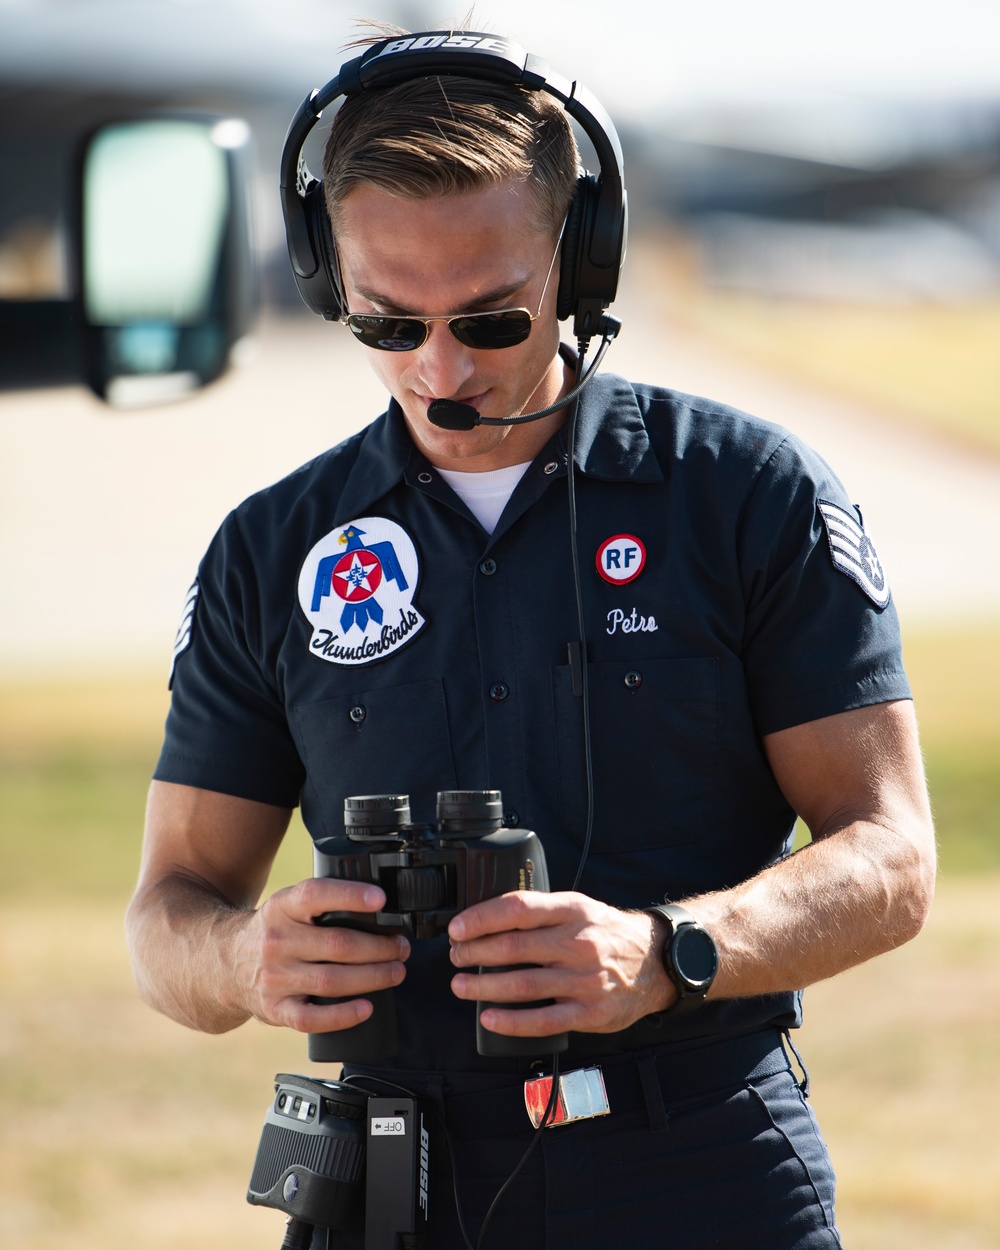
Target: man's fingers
540, 1022
307, 1017
318, 895
513, 985
520, 909
288, 932
350, 946
346, 981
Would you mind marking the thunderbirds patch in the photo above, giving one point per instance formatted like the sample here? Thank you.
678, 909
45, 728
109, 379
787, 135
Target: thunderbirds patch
852, 552
356, 587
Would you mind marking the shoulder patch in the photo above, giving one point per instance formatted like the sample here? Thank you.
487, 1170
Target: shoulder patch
184, 631
852, 551
356, 588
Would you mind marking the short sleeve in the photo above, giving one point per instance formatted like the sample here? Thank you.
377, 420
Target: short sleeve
822, 634
227, 728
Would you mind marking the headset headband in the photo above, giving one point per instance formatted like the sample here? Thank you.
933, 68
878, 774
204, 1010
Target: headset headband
594, 241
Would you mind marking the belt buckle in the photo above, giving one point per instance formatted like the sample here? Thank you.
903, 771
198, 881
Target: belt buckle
582, 1096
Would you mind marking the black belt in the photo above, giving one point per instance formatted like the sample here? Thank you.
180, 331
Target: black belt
641, 1080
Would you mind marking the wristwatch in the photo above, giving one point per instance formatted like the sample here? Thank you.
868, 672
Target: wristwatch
689, 956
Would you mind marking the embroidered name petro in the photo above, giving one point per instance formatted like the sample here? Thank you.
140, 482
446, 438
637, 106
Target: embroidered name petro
631, 623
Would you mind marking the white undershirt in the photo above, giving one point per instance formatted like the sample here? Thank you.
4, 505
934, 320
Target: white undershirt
485, 494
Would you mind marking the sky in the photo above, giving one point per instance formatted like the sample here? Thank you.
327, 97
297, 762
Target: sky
638, 57
683, 54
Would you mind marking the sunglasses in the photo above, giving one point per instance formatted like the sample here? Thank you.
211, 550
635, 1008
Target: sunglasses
485, 331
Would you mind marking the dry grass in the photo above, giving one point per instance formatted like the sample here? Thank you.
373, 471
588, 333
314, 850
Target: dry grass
119, 1128
122, 1129
906, 1073
107, 711
932, 362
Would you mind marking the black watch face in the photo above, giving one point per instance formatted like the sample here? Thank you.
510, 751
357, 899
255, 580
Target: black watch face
695, 956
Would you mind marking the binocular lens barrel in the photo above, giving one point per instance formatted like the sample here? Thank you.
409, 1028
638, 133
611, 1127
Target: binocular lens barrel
458, 812
469, 811
376, 815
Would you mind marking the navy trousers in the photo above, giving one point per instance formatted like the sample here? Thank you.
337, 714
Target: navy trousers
688, 1159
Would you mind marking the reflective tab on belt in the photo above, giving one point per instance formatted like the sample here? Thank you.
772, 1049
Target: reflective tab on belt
582, 1096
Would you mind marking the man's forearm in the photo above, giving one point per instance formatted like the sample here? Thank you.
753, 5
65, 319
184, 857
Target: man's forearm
185, 942
839, 901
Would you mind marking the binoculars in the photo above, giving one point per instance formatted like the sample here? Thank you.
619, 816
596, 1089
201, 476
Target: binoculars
430, 873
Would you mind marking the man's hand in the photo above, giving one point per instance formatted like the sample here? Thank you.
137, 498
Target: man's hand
204, 956
284, 960
601, 966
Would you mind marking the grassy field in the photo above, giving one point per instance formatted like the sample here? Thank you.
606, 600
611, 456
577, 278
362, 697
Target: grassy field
121, 1129
931, 362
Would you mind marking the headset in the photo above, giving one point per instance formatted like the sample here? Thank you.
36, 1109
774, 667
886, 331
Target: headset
594, 237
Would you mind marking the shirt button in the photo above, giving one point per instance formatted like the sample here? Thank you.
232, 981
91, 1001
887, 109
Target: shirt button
499, 691
424, 477
488, 567
633, 680
511, 820
357, 714
551, 467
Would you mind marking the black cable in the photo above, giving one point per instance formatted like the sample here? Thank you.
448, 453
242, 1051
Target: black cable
546, 1119
588, 762
580, 381
550, 1107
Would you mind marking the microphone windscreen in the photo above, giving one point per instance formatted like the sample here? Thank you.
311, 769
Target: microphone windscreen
449, 414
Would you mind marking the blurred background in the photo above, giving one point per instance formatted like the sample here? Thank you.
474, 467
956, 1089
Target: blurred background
815, 237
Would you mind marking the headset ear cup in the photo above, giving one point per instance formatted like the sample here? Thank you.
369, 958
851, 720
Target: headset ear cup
569, 259
325, 295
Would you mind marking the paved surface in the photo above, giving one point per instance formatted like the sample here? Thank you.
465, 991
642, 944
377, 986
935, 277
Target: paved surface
103, 516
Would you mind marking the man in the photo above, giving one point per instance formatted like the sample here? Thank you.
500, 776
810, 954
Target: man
394, 617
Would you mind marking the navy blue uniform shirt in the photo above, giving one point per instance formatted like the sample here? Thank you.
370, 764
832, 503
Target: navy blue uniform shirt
356, 631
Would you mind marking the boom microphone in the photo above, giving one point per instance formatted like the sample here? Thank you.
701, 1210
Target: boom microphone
451, 414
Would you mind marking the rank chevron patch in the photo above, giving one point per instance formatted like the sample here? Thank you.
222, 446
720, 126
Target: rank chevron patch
182, 639
852, 552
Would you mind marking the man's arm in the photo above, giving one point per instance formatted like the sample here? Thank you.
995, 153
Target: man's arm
863, 886
206, 956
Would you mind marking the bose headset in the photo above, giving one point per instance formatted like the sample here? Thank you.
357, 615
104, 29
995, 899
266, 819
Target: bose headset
593, 247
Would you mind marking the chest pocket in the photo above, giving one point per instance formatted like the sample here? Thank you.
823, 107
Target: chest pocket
655, 731
389, 741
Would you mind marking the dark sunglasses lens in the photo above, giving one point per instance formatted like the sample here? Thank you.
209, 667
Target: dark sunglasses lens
387, 334
492, 330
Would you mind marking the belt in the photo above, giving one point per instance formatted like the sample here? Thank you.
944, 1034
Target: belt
636, 1081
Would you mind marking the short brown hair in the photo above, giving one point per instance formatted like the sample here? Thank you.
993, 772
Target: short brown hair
445, 135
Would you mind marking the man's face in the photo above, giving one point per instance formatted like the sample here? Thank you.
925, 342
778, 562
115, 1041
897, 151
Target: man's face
474, 252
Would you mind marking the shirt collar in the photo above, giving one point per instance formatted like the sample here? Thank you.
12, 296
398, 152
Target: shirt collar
611, 443
386, 448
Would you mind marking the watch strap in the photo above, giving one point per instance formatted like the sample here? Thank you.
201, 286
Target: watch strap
676, 917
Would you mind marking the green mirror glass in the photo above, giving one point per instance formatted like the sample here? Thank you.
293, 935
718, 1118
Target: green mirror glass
166, 282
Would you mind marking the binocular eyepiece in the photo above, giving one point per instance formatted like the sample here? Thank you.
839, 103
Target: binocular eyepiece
429, 873
460, 813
